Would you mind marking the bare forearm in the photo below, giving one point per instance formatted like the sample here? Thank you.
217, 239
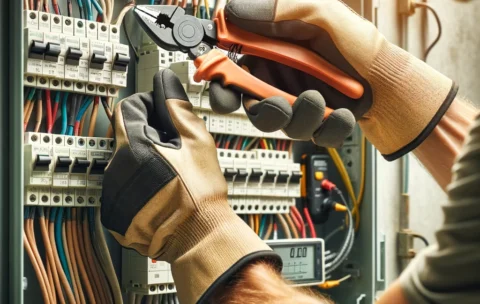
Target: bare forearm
260, 283
439, 151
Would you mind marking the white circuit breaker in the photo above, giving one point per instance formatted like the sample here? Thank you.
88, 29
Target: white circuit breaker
64, 170
75, 55
143, 275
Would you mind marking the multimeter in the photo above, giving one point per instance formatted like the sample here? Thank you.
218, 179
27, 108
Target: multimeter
303, 260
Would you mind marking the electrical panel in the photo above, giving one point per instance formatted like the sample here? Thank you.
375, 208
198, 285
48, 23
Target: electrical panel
263, 171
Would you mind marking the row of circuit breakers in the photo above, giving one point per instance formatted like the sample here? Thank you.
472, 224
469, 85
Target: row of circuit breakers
75, 55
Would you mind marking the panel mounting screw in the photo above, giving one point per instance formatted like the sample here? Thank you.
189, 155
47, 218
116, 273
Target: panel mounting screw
210, 27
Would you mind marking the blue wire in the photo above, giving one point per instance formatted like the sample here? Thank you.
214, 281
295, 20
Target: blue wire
26, 214
88, 5
246, 142
88, 101
262, 225
152, 2
70, 130
59, 241
97, 7
64, 114
80, 7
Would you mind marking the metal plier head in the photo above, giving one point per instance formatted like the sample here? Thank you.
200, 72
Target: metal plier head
171, 29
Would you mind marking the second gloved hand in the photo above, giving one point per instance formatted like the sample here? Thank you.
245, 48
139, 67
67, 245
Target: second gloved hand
404, 98
165, 196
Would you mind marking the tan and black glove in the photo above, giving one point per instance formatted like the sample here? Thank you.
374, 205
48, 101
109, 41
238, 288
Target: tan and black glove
404, 97
165, 196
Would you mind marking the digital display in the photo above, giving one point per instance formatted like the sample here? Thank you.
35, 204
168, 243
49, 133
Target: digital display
298, 262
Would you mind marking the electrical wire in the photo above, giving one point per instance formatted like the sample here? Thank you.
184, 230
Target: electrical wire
123, 12
60, 270
269, 228
296, 213
313, 233
91, 258
98, 264
439, 24
39, 116
251, 222
257, 223
138, 299
69, 262
422, 238
129, 40
334, 232
79, 256
293, 229
103, 252
48, 101
262, 225
64, 114
29, 108
284, 225
49, 254
81, 113
107, 109
35, 255
60, 247
75, 271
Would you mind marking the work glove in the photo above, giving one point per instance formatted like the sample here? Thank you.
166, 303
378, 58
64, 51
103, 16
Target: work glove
404, 98
165, 196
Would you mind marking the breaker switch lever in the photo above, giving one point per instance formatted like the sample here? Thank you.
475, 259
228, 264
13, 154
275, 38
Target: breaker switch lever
270, 176
52, 52
98, 166
73, 56
241, 176
121, 62
296, 176
42, 163
80, 165
283, 177
63, 164
229, 174
255, 175
97, 61
37, 50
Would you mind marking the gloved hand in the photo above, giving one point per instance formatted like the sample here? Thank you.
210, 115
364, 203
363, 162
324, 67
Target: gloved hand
404, 98
164, 194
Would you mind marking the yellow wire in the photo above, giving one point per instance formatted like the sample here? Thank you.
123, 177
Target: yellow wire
265, 143
356, 200
207, 7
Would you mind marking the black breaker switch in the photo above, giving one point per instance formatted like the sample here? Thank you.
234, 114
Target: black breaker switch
52, 52
229, 174
80, 165
42, 163
98, 166
97, 61
121, 62
63, 164
73, 56
283, 177
269, 176
241, 176
255, 176
37, 50
296, 176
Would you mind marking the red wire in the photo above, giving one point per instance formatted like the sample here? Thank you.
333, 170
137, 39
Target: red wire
284, 145
262, 144
99, 18
76, 128
239, 145
300, 220
49, 111
295, 220
227, 144
310, 223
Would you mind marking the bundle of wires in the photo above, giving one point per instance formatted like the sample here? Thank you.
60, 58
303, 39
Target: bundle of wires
334, 260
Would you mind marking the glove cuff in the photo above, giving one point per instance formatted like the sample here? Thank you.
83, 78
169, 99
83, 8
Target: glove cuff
410, 99
210, 248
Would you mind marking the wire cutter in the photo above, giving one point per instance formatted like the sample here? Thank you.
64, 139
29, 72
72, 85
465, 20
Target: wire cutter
173, 30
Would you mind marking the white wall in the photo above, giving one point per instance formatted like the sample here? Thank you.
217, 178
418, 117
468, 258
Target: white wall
457, 56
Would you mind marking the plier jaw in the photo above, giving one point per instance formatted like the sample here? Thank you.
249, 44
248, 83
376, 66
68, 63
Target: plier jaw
171, 29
